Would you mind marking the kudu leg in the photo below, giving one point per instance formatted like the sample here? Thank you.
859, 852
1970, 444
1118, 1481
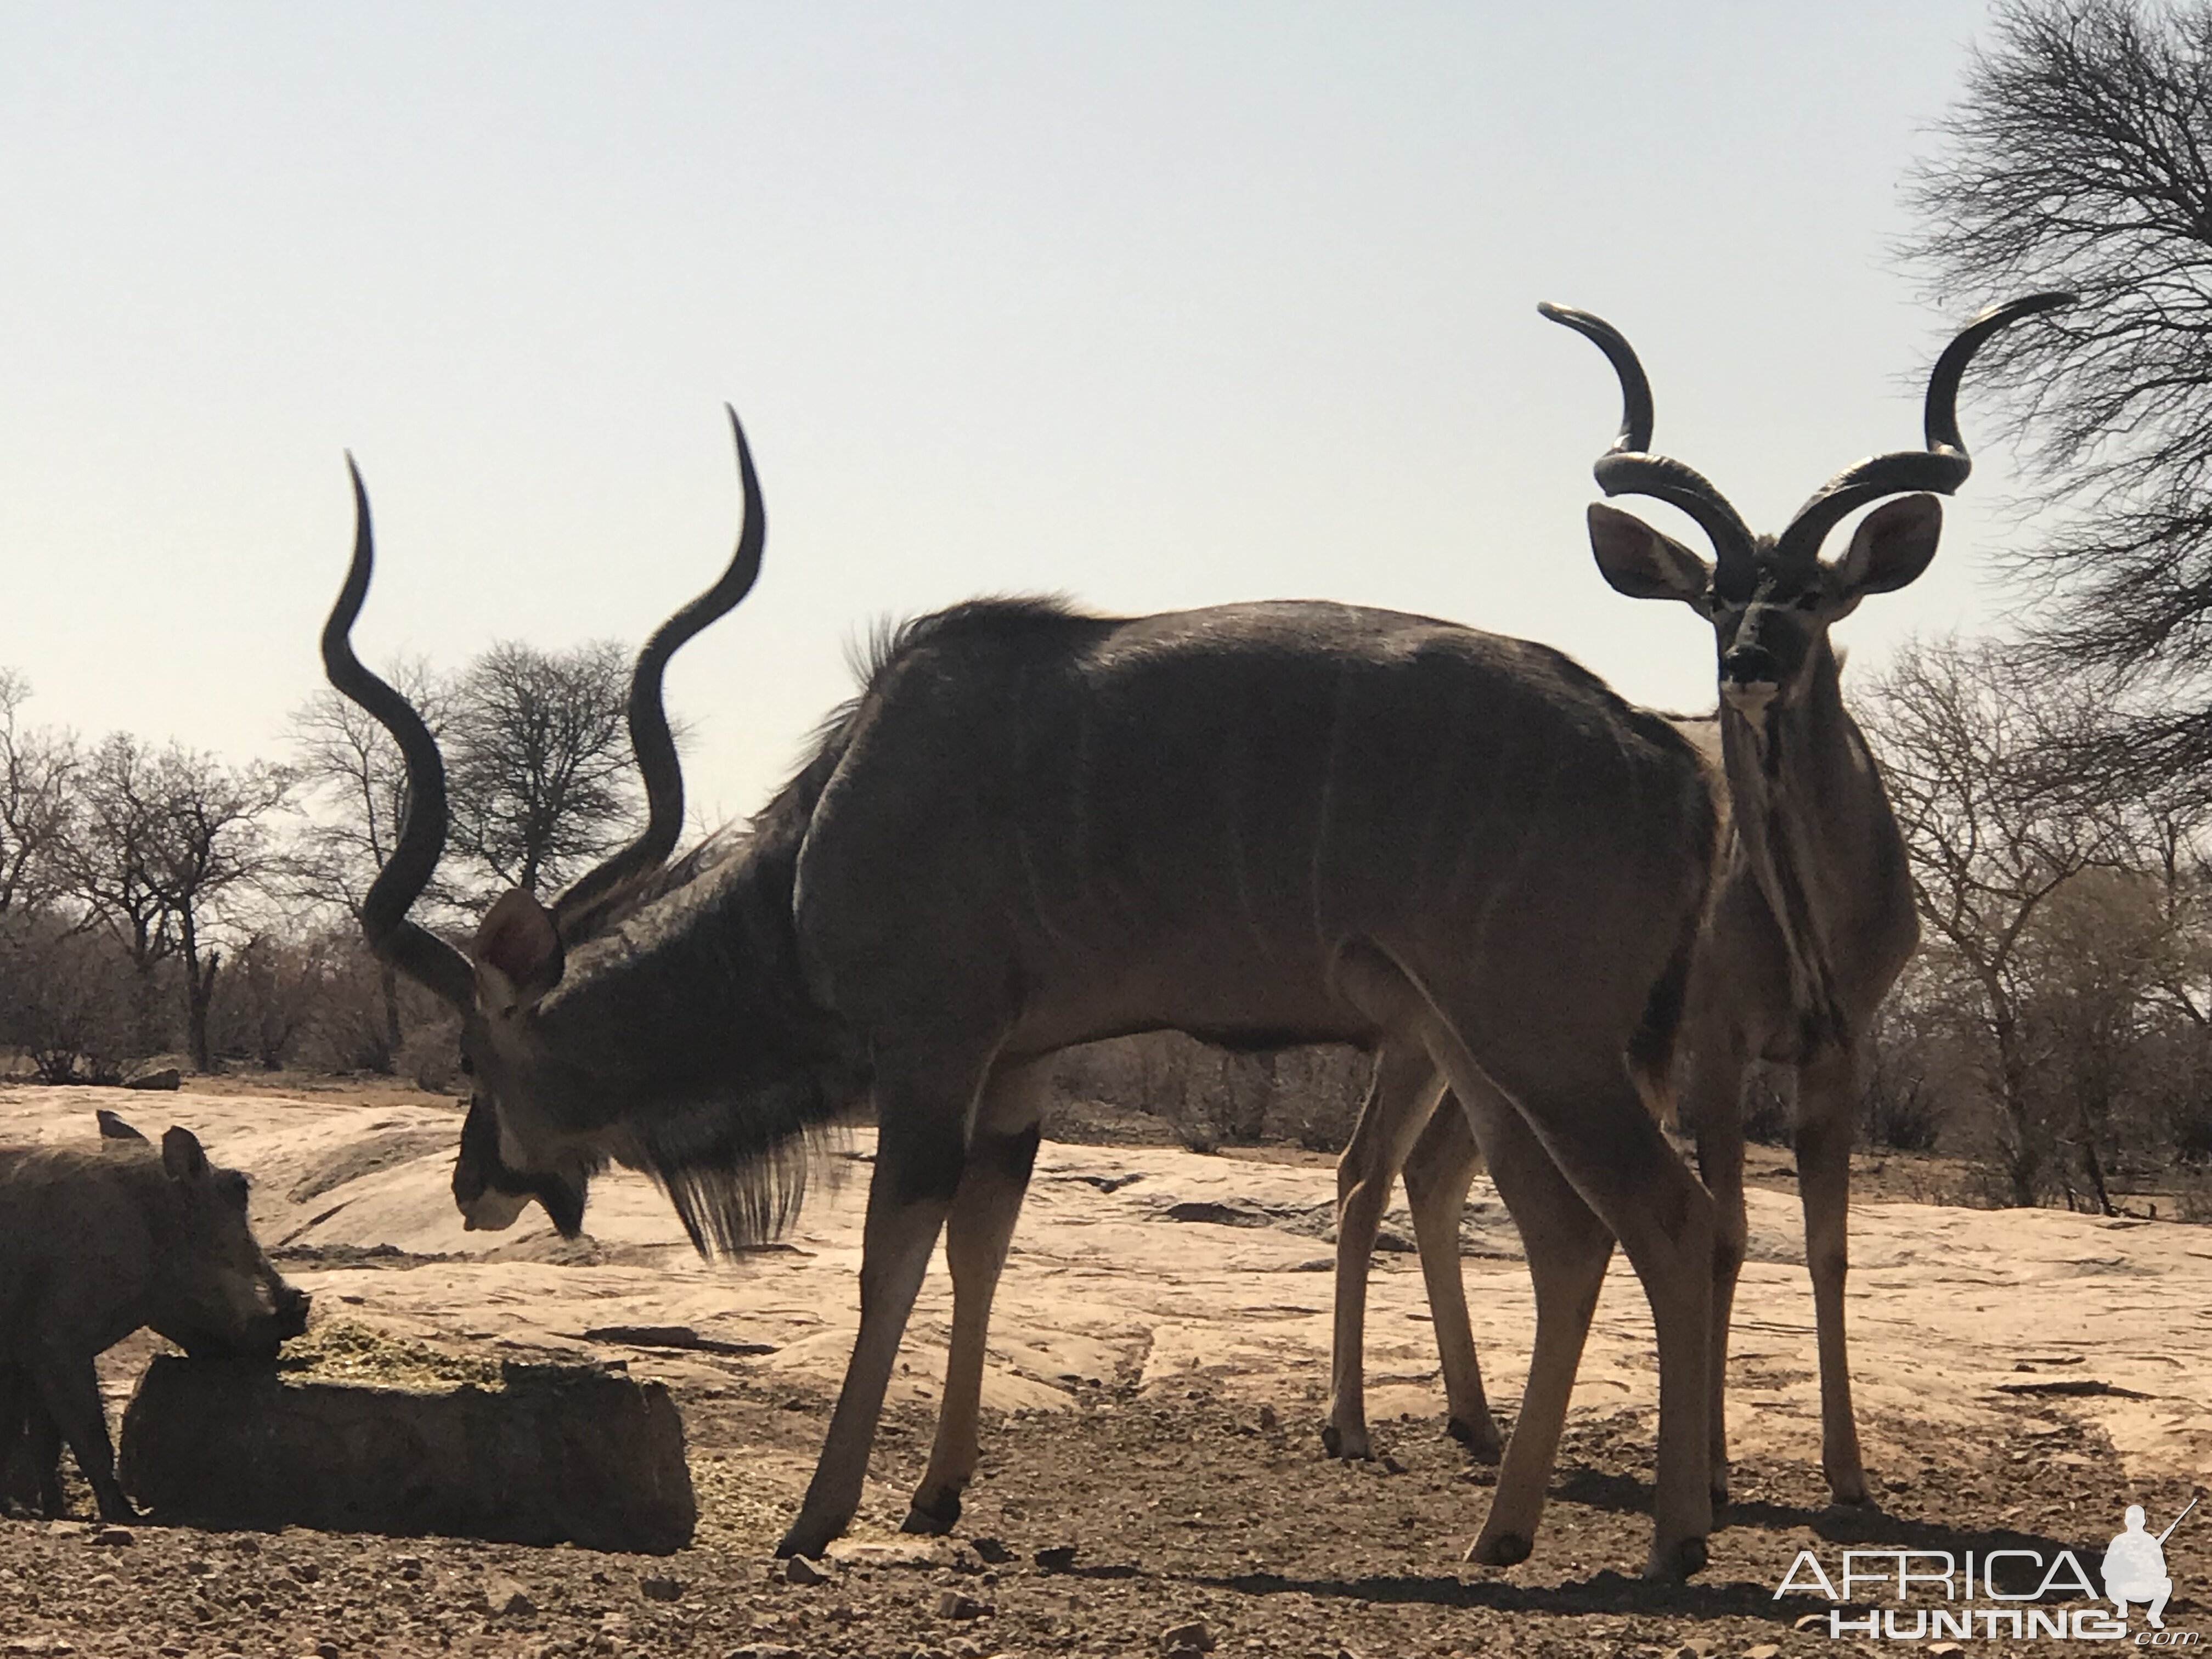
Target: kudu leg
920, 1153
1827, 1097
1601, 1136
1401, 1099
1001, 1151
1568, 1248
1439, 1171
1712, 1103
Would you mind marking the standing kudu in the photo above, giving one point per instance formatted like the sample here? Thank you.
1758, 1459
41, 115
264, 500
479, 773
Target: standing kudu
1813, 916
1258, 823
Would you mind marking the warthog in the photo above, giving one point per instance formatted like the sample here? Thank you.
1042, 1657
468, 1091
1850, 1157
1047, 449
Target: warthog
95, 1243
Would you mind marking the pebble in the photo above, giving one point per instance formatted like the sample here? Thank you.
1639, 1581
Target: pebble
1193, 1638
113, 1537
955, 1604
505, 1597
659, 1590
798, 1570
1764, 1651
1058, 1558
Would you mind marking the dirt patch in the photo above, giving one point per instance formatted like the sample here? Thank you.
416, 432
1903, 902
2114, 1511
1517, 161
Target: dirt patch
1150, 1457
1154, 1513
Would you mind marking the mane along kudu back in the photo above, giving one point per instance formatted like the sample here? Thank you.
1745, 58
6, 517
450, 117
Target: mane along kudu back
1813, 918
1259, 824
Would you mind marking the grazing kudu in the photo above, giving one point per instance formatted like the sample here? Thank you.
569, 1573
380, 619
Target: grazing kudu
1257, 823
1813, 918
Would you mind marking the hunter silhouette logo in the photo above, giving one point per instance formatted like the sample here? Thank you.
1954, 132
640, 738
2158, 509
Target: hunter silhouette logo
2135, 1567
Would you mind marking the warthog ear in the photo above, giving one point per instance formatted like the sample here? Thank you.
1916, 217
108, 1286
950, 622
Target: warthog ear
1642, 563
112, 1128
517, 952
1891, 547
181, 1155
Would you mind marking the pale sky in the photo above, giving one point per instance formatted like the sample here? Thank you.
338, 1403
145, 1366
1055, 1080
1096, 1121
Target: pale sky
1153, 305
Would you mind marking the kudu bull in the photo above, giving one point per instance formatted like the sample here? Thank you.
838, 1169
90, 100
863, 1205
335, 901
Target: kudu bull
1812, 917
1259, 824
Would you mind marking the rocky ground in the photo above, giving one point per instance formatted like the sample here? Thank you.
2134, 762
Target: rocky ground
1152, 1480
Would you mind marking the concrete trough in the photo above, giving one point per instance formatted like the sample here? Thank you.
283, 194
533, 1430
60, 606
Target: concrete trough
556, 1455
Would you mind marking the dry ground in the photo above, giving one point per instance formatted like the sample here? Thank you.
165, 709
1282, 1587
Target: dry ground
1159, 1357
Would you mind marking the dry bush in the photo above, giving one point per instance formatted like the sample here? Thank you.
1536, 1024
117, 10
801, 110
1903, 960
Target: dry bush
1208, 1098
353, 1027
431, 1055
68, 999
267, 999
1317, 1094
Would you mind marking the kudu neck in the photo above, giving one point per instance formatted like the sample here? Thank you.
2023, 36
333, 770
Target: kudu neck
1812, 827
1803, 753
695, 1000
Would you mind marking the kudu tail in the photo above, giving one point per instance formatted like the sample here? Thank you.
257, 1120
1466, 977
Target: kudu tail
1652, 1050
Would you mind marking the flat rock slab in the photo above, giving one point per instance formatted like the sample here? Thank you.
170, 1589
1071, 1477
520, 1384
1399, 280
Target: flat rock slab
557, 1455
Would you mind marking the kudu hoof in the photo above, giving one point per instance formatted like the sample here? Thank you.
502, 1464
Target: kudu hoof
1507, 1549
807, 1538
1483, 1442
932, 1519
1336, 1444
1687, 1558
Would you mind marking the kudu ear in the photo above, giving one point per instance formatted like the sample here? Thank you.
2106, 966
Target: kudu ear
1642, 563
181, 1155
517, 953
1891, 547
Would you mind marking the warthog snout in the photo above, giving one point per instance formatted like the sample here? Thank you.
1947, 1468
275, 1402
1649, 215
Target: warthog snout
260, 1333
291, 1312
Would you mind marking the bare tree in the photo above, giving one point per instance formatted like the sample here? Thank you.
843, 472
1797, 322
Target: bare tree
2079, 156
213, 850
540, 773
165, 846
1991, 832
109, 860
36, 766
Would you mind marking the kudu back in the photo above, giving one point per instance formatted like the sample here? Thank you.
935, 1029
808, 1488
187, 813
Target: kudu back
1259, 824
1814, 915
